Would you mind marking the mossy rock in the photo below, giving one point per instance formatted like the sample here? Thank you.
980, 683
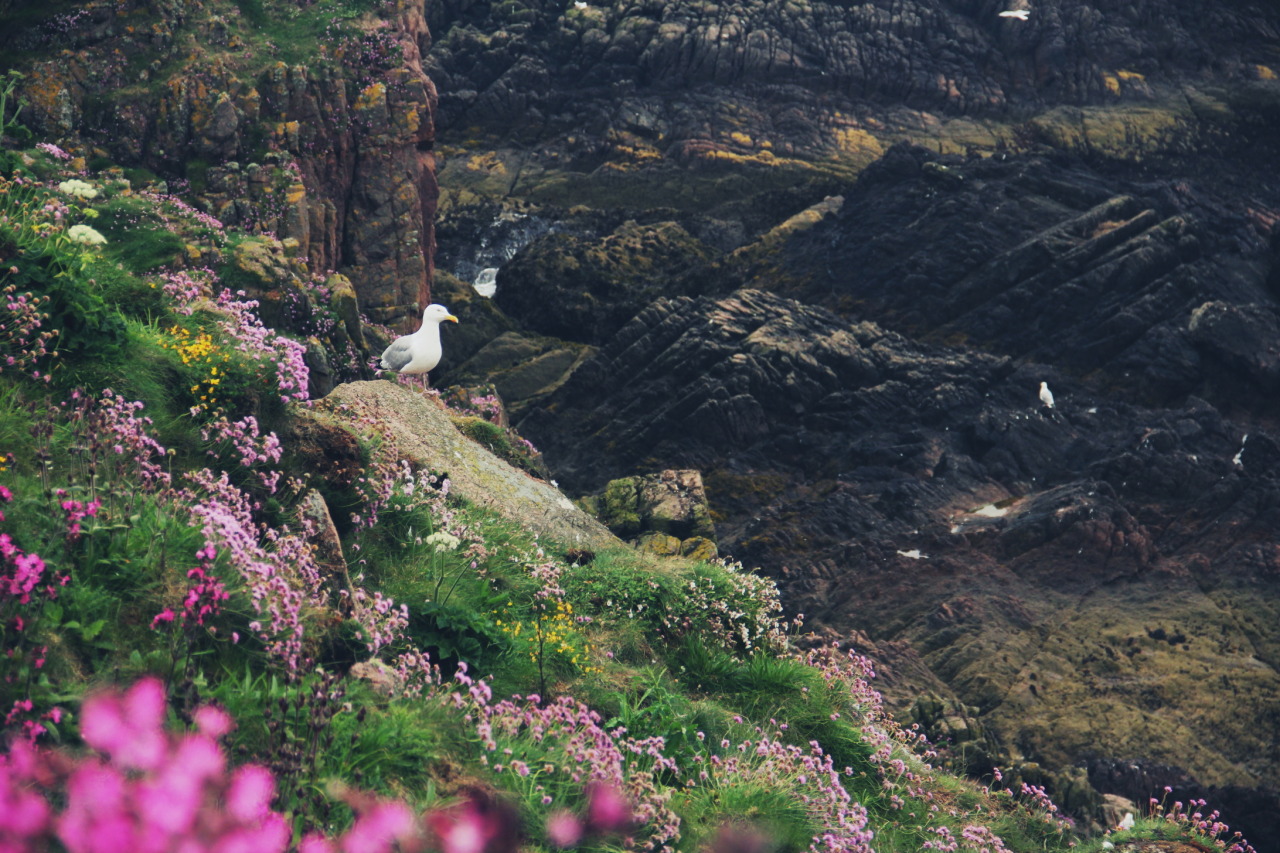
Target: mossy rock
621, 508
660, 544
699, 548
502, 443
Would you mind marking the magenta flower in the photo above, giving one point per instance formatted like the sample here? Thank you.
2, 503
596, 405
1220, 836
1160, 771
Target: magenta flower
379, 827
564, 829
212, 721
607, 809
128, 728
249, 797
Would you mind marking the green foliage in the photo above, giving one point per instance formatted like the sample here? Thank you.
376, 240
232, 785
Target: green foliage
452, 633
138, 234
503, 443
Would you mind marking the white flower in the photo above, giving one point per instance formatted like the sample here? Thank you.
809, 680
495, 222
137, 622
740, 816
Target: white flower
85, 234
78, 188
443, 541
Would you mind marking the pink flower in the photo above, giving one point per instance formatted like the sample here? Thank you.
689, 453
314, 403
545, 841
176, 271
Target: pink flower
376, 829
212, 721
563, 829
607, 809
252, 788
464, 830
315, 843
128, 728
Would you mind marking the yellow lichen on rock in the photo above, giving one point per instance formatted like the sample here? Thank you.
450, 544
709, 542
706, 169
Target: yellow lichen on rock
373, 95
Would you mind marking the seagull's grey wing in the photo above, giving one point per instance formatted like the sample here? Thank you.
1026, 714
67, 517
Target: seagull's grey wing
397, 356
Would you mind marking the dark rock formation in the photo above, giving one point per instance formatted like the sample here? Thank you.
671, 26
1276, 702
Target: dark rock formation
922, 495
1162, 283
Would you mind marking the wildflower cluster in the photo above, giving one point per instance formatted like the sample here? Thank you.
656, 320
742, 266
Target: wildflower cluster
279, 580
76, 511
269, 350
241, 441
553, 631
27, 583
162, 202
23, 342
549, 751
53, 150
973, 838
184, 288
149, 789
203, 599
78, 188
720, 602
117, 441
1193, 821
809, 775
200, 349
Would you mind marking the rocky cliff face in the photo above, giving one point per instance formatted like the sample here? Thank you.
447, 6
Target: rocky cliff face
612, 88
323, 138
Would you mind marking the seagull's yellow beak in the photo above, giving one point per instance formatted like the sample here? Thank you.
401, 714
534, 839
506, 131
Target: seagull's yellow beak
451, 317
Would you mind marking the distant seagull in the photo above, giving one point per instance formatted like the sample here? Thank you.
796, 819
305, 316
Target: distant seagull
1020, 14
1046, 396
418, 353
578, 4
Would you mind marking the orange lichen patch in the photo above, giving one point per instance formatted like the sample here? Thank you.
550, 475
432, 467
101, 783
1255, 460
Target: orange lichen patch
1129, 76
45, 89
1105, 226
740, 138
486, 162
1112, 83
372, 95
1264, 72
295, 193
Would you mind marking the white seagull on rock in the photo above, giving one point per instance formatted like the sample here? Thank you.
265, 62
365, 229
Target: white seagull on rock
1046, 396
415, 354
1020, 14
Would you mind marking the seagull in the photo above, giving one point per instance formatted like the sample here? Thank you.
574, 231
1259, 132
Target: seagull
1020, 14
414, 355
1046, 396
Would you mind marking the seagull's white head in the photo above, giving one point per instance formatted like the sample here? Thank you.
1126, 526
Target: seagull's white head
437, 314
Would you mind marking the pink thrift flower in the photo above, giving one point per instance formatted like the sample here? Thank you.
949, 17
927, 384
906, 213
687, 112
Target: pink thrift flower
128, 730
23, 813
563, 829
212, 721
377, 829
459, 830
316, 843
269, 836
607, 809
249, 797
